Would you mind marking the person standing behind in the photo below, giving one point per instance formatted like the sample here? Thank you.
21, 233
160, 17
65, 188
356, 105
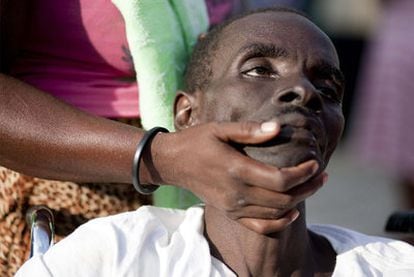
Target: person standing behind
66, 92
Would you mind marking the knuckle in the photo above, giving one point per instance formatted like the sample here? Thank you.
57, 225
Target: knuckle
233, 201
215, 126
276, 213
286, 201
283, 207
247, 128
233, 215
260, 227
283, 181
235, 171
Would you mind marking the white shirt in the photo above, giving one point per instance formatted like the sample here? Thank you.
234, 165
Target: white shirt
166, 242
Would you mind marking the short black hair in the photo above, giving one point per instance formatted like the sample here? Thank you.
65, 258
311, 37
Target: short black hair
198, 72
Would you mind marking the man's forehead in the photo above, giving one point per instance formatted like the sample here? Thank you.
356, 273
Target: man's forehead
280, 28
263, 22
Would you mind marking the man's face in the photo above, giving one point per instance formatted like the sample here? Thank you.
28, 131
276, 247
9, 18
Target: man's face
278, 66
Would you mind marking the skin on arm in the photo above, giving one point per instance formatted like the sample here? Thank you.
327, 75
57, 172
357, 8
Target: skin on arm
44, 137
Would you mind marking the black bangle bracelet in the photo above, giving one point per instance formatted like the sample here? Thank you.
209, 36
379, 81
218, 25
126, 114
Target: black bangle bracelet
137, 160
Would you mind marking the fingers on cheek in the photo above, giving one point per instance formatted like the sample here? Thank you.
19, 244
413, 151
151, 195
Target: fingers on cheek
316, 184
246, 132
232, 202
292, 176
245, 170
257, 212
268, 226
273, 200
306, 190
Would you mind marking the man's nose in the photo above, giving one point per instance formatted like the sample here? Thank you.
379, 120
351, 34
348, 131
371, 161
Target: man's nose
300, 93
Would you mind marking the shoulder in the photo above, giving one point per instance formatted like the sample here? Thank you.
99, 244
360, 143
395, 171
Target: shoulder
146, 219
146, 224
364, 253
123, 243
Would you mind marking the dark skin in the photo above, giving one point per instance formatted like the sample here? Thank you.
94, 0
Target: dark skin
292, 77
36, 128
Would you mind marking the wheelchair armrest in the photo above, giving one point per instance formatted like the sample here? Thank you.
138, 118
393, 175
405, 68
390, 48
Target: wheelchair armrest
41, 221
401, 221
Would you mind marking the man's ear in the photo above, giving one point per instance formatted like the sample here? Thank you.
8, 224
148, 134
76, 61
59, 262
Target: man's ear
185, 110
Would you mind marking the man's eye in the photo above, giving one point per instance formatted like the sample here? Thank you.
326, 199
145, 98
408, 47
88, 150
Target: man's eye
261, 72
331, 94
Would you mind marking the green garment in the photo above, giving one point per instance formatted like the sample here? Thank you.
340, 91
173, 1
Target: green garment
161, 35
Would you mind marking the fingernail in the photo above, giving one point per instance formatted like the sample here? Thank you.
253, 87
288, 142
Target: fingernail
295, 215
315, 167
324, 178
268, 127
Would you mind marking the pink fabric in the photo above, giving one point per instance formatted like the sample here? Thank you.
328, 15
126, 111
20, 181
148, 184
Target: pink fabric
77, 51
219, 10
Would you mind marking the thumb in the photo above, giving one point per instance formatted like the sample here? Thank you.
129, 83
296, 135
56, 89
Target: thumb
247, 132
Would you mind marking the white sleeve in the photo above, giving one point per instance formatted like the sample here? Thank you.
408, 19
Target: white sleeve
34, 267
148, 242
86, 252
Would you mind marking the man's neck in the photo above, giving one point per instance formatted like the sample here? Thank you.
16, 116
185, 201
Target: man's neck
292, 252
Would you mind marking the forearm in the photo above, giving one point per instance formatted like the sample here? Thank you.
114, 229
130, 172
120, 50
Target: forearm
43, 137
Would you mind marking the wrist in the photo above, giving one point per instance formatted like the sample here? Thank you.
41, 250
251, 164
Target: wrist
167, 162
158, 160
144, 155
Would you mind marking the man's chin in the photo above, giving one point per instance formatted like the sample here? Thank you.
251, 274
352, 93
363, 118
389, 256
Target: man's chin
285, 155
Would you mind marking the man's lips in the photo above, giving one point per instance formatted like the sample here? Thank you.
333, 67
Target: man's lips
300, 120
289, 136
301, 138
299, 135
298, 127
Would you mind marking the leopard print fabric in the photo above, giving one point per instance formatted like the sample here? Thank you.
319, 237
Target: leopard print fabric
72, 204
